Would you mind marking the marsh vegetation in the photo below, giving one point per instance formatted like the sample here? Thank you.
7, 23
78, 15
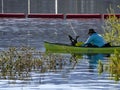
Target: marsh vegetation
111, 28
18, 63
112, 35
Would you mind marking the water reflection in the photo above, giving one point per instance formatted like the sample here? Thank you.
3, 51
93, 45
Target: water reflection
56, 69
21, 62
93, 60
19, 66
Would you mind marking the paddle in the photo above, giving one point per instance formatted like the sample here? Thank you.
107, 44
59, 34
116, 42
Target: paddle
73, 41
73, 30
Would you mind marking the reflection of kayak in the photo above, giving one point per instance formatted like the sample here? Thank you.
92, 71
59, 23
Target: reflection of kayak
63, 48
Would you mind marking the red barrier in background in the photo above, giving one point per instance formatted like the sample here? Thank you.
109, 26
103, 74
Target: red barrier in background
71, 16
45, 16
12, 15
62, 16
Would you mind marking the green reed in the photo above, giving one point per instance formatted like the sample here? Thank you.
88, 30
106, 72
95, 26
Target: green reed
112, 28
18, 63
112, 67
112, 34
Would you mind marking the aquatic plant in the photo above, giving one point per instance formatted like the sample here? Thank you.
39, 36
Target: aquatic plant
112, 28
18, 63
114, 66
100, 67
112, 34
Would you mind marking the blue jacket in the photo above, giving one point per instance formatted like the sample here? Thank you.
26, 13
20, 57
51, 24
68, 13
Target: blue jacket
96, 39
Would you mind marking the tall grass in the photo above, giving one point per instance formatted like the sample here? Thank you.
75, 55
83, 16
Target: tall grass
112, 67
18, 63
112, 28
112, 34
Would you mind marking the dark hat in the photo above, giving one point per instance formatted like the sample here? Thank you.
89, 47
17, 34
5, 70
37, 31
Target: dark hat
91, 31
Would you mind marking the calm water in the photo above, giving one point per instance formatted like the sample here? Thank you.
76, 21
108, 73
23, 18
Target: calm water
68, 73
32, 32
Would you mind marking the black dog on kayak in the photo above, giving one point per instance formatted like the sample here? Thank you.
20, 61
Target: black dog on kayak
73, 41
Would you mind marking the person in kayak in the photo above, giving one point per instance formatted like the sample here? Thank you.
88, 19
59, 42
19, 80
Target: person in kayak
94, 40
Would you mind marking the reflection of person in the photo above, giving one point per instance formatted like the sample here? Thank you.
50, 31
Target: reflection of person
93, 60
94, 40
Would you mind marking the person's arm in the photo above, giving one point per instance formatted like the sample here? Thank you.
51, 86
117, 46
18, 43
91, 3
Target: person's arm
89, 40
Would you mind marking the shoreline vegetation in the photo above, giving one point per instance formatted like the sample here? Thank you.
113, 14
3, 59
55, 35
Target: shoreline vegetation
112, 34
18, 63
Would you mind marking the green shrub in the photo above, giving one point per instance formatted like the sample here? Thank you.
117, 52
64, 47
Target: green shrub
112, 28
